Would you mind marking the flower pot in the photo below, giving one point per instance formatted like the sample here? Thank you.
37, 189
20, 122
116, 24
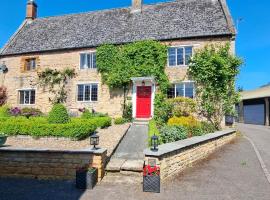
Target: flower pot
86, 179
3, 140
229, 120
151, 184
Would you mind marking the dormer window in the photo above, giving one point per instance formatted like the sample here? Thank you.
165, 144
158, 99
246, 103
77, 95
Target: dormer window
30, 64
179, 56
88, 61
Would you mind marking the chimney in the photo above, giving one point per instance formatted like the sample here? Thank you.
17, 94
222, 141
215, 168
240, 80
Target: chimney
31, 10
136, 6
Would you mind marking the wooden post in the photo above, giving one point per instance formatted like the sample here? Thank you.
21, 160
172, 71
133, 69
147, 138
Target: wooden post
266, 112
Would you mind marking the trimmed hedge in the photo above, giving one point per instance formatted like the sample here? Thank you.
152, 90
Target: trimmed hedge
120, 120
58, 115
77, 129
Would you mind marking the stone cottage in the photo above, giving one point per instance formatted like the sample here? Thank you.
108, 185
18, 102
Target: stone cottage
70, 41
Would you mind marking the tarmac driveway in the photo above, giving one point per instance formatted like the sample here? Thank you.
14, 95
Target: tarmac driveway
231, 173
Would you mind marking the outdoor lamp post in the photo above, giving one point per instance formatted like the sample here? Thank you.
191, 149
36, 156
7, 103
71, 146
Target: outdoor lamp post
94, 140
154, 143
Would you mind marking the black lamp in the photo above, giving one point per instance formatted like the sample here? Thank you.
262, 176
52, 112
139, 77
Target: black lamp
94, 140
154, 143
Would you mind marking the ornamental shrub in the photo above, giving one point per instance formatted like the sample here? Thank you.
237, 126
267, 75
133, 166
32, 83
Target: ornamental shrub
120, 120
58, 115
163, 109
173, 133
28, 112
4, 111
208, 127
189, 121
183, 106
86, 114
127, 112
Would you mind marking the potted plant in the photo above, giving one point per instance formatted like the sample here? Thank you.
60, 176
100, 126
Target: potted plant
86, 177
3, 139
151, 179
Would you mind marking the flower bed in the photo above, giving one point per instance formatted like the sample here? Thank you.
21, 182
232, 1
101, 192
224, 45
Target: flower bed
39, 127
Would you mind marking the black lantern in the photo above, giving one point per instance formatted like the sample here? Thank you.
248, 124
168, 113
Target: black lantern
143, 83
94, 140
154, 143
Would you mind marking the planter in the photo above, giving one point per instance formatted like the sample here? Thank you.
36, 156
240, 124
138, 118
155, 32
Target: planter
229, 120
151, 184
86, 179
3, 140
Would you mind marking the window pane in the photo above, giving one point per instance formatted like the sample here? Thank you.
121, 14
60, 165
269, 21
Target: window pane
26, 97
172, 56
189, 90
33, 97
82, 61
180, 56
87, 93
180, 90
89, 60
94, 61
21, 97
94, 93
171, 92
80, 92
188, 54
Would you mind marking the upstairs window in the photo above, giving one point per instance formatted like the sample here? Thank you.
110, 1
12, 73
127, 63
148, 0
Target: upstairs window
30, 64
27, 97
87, 92
184, 89
179, 56
88, 61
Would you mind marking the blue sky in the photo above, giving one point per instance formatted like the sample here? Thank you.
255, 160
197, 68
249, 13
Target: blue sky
253, 40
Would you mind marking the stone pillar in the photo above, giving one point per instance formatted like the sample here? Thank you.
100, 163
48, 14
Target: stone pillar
266, 112
241, 112
99, 162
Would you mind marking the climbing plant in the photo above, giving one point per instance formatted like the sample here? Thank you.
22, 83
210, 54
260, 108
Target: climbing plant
56, 82
214, 69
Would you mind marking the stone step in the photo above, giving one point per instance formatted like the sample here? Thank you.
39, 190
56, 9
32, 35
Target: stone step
140, 122
122, 179
118, 165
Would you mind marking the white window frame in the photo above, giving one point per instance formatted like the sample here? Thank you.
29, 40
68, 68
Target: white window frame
184, 55
24, 90
184, 88
32, 64
85, 67
84, 84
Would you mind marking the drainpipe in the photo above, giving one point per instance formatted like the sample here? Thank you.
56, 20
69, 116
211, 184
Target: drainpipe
266, 111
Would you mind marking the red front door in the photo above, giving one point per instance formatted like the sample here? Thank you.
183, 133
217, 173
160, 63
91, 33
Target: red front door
143, 107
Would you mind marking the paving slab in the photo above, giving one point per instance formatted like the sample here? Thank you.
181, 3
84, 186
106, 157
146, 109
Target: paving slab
115, 165
133, 165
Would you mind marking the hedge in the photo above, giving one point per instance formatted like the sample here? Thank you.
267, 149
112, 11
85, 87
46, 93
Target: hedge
77, 129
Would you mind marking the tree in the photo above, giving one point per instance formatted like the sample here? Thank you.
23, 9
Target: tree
214, 69
56, 82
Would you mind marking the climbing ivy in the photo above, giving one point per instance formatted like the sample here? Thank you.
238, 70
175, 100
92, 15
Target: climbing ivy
56, 82
118, 64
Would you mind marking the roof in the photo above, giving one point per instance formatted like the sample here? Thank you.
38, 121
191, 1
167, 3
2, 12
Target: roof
255, 94
163, 21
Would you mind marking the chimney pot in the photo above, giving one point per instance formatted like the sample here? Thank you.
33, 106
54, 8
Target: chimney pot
31, 9
136, 6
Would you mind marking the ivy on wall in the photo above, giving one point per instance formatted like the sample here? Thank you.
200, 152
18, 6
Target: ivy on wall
118, 64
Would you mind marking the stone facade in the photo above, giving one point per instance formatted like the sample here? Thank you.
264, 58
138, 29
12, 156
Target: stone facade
109, 101
188, 153
43, 164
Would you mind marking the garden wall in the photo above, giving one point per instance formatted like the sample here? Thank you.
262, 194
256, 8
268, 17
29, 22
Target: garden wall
49, 164
175, 157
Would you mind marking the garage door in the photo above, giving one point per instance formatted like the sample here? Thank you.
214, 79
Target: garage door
254, 113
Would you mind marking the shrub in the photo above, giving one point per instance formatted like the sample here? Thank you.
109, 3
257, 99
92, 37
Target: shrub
87, 114
3, 95
28, 112
183, 106
120, 120
4, 111
183, 121
163, 109
15, 111
101, 122
208, 127
58, 115
153, 130
127, 112
173, 133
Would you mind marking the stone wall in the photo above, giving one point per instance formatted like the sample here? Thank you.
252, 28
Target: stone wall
109, 101
49, 164
176, 157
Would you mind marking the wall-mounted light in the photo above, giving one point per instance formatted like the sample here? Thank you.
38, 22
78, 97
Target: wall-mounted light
3, 68
143, 83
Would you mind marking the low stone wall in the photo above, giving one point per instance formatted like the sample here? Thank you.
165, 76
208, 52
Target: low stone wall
49, 164
177, 156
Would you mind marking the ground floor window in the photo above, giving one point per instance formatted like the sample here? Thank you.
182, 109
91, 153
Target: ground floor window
87, 92
27, 97
184, 89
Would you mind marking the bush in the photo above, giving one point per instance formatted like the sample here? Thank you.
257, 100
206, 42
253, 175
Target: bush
15, 111
58, 115
173, 133
4, 111
31, 112
163, 109
208, 127
87, 114
183, 106
120, 120
127, 112
153, 130
183, 121
101, 122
